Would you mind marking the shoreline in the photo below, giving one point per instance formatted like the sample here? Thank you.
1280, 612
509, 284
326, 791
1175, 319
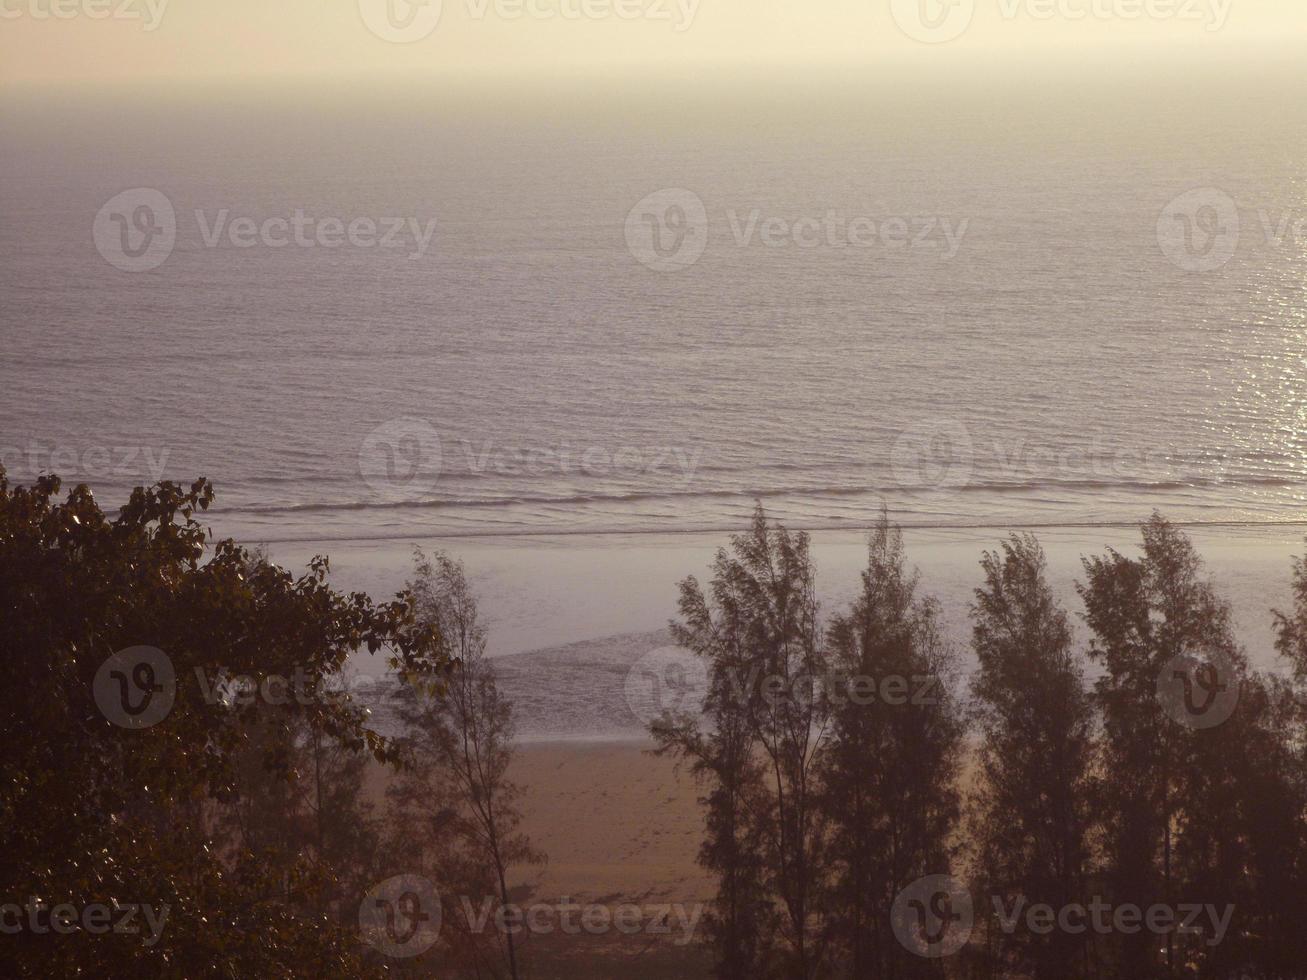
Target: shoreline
622, 825
725, 530
541, 593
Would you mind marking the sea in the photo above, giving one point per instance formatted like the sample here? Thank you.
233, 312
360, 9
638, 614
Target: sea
444, 313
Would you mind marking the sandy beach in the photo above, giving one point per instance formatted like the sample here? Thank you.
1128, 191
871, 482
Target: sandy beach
620, 825
552, 301
572, 618
620, 828
616, 823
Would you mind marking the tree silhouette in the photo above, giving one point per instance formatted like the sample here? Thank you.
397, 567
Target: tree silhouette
760, 637
890, 773
94, 810
1031, 819
455, 801
1171, 671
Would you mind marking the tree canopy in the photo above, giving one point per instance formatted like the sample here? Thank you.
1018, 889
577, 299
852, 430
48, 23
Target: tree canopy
119, 637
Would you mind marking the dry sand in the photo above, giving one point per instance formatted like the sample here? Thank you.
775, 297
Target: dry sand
618, 824
620, 828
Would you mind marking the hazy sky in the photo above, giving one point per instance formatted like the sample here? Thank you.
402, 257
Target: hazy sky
202, 40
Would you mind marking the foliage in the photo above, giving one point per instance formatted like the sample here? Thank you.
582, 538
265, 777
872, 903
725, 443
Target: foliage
891, 772
455, 808
1031, 821
92, 812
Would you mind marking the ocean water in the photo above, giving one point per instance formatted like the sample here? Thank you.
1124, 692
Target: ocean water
1007, 338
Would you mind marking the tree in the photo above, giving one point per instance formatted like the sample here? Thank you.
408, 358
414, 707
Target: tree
760, 637
741, 922
891, 770
1031, 818
1282, 811
302, 793
460, 743
1171, 805
94, 810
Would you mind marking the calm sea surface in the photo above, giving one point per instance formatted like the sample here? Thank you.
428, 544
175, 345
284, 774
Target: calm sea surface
956, 305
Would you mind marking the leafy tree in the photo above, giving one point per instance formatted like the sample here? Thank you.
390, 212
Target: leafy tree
1031, 820
760, 637
93, 812
890, 773
741, 922
302, 793
1261, 821
457, 800
1171, 804
1280, 764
